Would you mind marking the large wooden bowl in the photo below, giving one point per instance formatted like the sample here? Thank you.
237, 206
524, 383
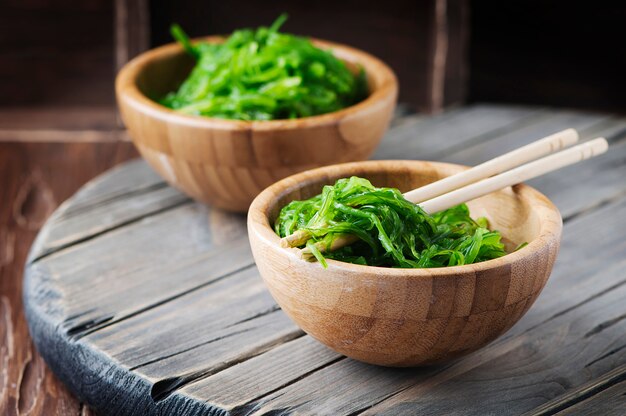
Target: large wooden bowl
227, 163
408, 317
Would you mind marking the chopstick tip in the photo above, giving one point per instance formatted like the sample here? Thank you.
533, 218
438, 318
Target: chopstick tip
599, 145
569, 137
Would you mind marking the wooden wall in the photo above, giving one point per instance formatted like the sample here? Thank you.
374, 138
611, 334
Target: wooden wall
549, 52
62, 55
56, 52
56, 66
58, 56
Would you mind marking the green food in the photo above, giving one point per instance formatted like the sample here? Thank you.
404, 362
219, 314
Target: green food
263, 74
392, 231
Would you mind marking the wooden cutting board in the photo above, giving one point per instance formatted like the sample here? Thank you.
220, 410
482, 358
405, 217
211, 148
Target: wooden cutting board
144, 302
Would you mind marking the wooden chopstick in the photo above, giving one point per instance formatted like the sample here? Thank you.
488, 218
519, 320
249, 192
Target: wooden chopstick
475, 190
499, 164
518, 175
517, 157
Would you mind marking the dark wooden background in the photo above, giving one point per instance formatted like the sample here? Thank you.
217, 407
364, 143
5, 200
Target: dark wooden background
549, 52
59, 126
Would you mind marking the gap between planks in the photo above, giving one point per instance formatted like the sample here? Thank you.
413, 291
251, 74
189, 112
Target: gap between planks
165, 387
74, 211
115, 227
77, 332
584, 392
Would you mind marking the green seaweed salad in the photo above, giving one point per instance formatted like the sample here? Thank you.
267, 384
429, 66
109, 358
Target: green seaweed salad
263, 74
392, 231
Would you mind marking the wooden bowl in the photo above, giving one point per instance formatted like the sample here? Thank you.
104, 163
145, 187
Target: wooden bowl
408, 317
226, 163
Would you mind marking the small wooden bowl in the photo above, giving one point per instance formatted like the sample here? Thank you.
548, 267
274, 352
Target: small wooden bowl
408, 317
226, 163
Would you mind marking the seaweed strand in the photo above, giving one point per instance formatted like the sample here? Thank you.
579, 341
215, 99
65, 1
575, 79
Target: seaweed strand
392, 231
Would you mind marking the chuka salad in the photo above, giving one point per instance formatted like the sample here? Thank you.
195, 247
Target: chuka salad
264, 74
392, 231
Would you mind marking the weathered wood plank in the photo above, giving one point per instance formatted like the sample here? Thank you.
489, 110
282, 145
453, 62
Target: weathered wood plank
600, 179
188, 241
238, 343
610, 402
63, 136
550, 122
234, 387
343, 388
89, 215
403, 114
190, 319
117, 183
605, 395
430, 138
559, 356
131, 179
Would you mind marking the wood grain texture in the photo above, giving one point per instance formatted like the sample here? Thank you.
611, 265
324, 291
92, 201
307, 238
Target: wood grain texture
598, 396
34, 179
609, 402
229, 350
431, 138
226, 163
74, 119
134, 194
132, 30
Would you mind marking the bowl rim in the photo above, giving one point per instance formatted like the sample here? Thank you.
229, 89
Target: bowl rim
258, 223
127, 90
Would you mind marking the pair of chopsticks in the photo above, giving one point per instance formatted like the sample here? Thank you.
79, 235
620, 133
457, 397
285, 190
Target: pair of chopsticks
509, 169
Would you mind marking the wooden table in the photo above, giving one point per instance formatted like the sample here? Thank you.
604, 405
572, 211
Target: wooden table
140, 303
37, 172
